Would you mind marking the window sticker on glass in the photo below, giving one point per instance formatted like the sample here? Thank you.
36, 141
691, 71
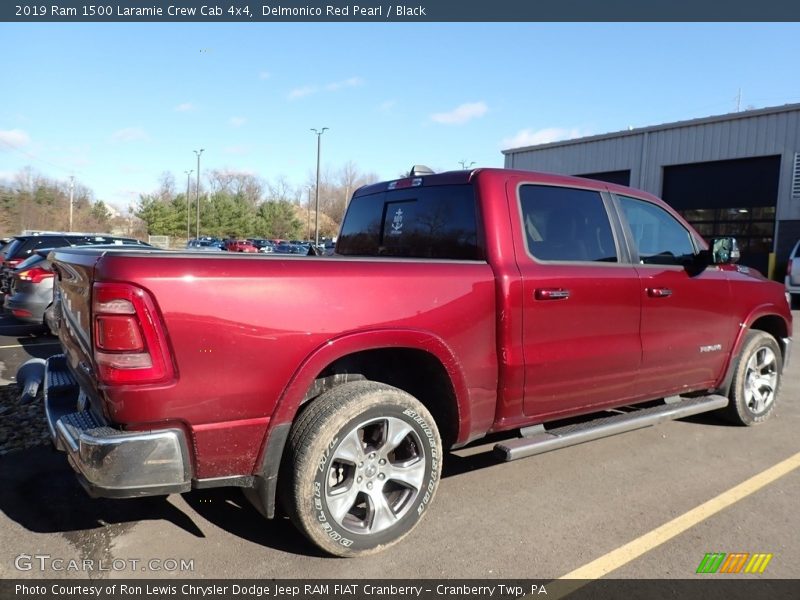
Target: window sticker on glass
397, 223
400, 218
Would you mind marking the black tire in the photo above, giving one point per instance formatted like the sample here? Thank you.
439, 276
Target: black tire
352, 490
756, 380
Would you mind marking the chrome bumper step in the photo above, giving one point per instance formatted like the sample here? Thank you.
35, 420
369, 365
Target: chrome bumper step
112, 462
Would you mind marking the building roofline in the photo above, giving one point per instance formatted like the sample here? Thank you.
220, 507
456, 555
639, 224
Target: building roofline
745, 114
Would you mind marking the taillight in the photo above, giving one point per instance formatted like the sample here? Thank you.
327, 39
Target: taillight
34, 275
789, 267
13, 262
130, 343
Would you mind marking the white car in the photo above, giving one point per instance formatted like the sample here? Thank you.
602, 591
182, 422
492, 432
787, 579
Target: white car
793, 274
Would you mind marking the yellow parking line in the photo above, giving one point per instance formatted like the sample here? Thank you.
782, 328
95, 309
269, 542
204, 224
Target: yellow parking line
634, 549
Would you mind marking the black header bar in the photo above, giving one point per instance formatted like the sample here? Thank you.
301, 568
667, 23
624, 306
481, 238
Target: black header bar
267, 11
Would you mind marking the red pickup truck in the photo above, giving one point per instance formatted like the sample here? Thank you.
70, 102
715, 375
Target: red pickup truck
457, 304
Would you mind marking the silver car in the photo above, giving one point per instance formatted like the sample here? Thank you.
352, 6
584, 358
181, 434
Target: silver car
31, 290
792, 280
31, 284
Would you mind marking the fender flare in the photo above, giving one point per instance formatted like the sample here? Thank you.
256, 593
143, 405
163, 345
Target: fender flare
377, 339
263, 493
763, 310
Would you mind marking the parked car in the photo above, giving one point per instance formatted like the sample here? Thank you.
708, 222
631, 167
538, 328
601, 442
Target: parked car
538, 298
239, 246
287, 247
258, 242
23, 246
31, 289
792, 280
204, 245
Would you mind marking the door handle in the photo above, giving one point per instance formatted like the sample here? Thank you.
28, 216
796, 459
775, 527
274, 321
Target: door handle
659, 292
551, 294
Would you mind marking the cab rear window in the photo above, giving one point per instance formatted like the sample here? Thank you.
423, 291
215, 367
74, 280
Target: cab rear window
434, 222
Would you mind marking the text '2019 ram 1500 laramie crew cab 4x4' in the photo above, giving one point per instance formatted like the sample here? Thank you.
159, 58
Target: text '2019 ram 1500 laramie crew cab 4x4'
457, 304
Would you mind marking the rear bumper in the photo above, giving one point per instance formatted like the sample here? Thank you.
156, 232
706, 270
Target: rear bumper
110, 462
34, 309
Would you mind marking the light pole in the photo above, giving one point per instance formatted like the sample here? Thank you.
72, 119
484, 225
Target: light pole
197, 191
188, 204
71, 197
308, 231
466, 165
316, 215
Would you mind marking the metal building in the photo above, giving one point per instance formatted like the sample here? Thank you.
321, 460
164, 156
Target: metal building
736, 174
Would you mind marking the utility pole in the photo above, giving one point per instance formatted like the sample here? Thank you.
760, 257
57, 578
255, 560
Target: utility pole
71, 198
197, 191
316, 215
739, 101
308, 231
188, 204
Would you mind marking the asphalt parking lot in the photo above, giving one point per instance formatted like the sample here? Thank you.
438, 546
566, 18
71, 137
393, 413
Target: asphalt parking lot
631, 506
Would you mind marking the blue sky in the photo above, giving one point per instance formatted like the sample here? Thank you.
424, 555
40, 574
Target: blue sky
119, 104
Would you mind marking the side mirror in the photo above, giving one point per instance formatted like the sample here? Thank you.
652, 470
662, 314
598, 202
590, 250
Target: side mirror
724, 251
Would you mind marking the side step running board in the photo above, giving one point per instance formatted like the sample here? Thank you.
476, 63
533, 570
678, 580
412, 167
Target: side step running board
542, 440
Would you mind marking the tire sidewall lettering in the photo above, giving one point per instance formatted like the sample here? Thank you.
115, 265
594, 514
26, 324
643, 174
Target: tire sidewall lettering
336, 532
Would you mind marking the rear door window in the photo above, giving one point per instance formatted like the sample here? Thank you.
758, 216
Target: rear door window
420, 222
566, 224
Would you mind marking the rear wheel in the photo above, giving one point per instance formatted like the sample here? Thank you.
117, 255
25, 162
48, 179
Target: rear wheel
756, 380
365, 462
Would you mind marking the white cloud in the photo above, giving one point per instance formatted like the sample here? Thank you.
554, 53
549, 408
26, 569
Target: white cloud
6, 176
335, 86
237, 121
264, 75
461, 114
302, 92
185, 107
386, 106
229, 172
14, 137
527, 137
130, 134
345, 83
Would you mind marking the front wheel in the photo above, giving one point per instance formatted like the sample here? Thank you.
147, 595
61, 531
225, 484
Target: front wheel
365, 460
756, 380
